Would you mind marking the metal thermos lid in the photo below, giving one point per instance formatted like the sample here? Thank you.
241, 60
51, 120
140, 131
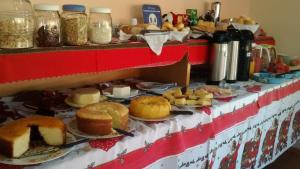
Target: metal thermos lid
247, 35
220, 37
234, 34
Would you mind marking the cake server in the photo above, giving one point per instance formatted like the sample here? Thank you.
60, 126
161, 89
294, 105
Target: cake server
69, 145
153, 93
181, 112
183, 90
126, 133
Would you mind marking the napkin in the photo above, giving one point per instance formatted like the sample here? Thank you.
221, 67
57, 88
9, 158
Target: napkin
105, 144
226, 99
124, 37
178, 36
254, 89
155, 42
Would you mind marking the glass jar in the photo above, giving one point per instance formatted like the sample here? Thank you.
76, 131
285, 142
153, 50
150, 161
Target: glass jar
74, 25
47, 27
100, 25
16, 24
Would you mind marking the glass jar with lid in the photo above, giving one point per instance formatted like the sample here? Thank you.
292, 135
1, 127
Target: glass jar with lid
100, 25
47, 27
16, 24
74, 25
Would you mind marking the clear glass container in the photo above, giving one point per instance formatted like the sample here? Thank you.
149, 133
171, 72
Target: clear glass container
47, 27
100, 25
74, 25
16, 24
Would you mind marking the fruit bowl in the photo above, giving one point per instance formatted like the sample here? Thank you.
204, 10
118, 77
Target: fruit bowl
252, 28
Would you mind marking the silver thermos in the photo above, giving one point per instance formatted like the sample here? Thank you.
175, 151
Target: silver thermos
233, 55
218, 57
216, 10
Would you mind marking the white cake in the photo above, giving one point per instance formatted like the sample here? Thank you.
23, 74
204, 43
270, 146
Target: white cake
121, 91
85, 96
15, 136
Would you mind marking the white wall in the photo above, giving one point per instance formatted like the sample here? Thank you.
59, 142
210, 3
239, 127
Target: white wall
280, 19
124, 10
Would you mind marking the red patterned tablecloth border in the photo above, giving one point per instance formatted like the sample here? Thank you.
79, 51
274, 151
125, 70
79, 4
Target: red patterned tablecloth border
178, 142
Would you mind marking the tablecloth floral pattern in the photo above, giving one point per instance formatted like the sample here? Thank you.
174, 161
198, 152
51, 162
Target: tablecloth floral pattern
248, 131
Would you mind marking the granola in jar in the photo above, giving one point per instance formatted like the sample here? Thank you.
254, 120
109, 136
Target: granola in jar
74, 25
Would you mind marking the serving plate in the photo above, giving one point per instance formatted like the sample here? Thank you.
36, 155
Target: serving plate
69, 102
234, 94
72, 127
187, 106
152, 120
133, 93
154, 86
39, 154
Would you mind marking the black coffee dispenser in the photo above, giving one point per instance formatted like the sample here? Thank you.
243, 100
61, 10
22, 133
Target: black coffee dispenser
245, 51
233, 55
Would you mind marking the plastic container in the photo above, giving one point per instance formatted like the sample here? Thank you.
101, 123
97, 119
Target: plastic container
100, 25
47, 27
74, 25
16, 24
269, 78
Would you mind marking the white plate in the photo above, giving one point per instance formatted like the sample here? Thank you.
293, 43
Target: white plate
72, 127
152, 120
51, 153
252, 28
133, 93
187, 106
154, 86
69, 102
234, 94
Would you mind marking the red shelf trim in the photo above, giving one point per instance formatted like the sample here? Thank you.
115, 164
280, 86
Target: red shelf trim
31, 64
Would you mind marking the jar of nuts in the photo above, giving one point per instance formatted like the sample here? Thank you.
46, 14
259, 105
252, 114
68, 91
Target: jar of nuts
47, 27
100, 25
74, 25
16, 24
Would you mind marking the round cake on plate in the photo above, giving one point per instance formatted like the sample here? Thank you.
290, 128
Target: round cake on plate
85, 96
150, 107
100, 118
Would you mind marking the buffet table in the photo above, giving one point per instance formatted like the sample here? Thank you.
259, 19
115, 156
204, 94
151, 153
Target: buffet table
248, 131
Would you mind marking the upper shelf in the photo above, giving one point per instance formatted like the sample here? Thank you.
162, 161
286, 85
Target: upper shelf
37, 63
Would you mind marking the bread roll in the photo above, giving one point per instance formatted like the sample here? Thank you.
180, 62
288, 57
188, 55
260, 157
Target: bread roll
168, 25
126, 29
151, 27
179, 26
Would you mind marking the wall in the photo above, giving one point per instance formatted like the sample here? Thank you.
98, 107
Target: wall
123, 10
280, 19
235, 8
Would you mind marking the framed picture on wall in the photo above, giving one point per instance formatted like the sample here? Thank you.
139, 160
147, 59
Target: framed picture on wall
152, 15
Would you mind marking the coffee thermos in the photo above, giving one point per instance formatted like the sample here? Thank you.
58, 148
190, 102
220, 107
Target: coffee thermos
218, 57
245, 51
233, 55
230, 56
216, 10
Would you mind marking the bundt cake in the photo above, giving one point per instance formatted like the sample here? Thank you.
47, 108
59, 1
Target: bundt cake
15, 136
150, 107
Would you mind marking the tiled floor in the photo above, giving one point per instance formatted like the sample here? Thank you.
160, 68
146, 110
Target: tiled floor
289, 160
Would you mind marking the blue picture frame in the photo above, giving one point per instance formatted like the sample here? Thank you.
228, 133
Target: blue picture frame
152, 15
